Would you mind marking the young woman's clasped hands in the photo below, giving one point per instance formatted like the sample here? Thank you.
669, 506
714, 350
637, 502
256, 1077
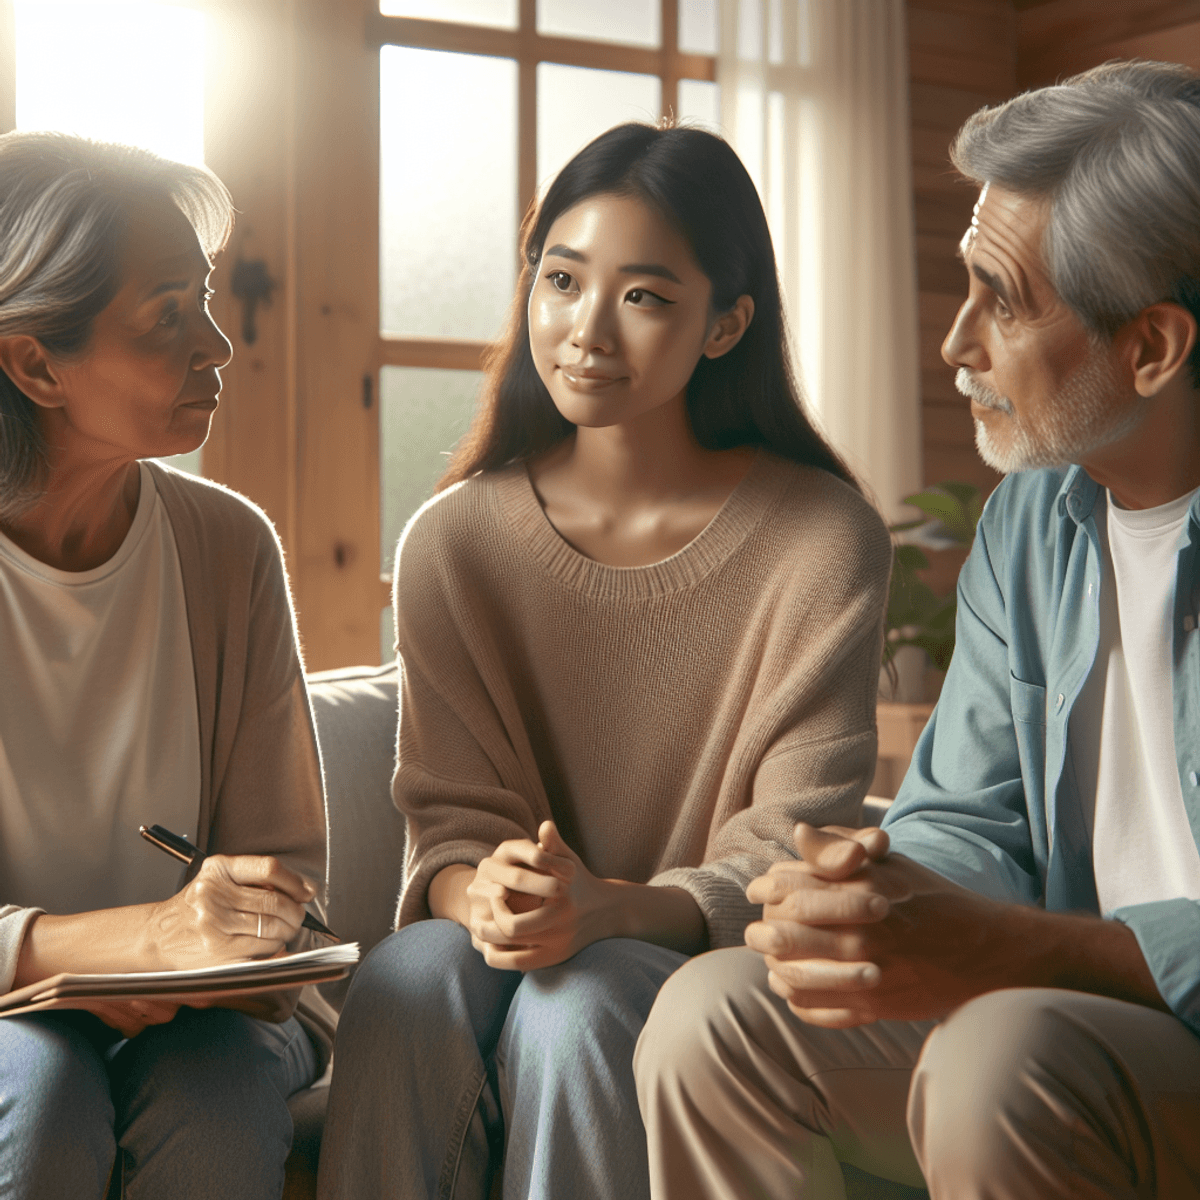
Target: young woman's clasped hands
640, 629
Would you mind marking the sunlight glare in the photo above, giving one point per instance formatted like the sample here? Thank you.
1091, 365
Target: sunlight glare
129, 71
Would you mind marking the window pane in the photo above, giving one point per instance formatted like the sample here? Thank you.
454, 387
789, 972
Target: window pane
189, 462
698, 29
448, 192
119, 72
700, 103
632, 21
422, 413
501, 14
575, 104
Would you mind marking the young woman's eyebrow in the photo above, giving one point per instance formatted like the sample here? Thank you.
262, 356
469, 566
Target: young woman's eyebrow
565, 252
629, 268
651, 269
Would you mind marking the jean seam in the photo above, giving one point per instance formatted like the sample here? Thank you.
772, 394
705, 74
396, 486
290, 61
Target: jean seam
458, 1131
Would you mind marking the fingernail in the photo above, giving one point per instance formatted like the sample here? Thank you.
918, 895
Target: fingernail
870, 975
878, 906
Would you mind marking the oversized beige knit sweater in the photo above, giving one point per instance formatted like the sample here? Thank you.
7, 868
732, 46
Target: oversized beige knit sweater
676, 720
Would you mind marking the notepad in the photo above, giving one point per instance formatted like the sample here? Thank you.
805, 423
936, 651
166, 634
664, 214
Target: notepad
210, 984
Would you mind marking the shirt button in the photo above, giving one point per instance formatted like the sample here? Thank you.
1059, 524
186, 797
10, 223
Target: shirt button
1089, 589
1059, 702
1193, 778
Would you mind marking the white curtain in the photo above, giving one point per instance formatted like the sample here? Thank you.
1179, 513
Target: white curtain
814, 97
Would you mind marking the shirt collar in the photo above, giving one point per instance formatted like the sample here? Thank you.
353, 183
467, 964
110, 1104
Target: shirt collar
1077, 495
1077, 498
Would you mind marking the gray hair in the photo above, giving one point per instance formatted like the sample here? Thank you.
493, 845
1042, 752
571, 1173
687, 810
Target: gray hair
64, 204
1115, 152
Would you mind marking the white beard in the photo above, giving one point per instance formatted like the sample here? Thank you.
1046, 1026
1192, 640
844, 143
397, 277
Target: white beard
1086, 413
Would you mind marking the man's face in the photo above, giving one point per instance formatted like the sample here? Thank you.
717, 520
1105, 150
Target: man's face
1043, 391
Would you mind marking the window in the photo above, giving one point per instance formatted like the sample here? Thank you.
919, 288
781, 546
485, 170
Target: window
381, 157
478, 110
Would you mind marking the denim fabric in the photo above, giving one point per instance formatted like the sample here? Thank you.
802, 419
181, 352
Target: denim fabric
990, 799
444, 1064
197, 1106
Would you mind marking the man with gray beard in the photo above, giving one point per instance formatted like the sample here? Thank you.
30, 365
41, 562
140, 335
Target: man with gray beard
998, 994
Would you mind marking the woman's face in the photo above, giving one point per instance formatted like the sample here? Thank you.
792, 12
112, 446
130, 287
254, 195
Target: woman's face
619, 313
146, 384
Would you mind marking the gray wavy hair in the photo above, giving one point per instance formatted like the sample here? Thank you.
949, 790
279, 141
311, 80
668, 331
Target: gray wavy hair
1116, 153
64, 204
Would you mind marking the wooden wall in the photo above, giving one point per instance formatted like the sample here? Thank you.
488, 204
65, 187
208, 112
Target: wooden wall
963, 56
1055, 38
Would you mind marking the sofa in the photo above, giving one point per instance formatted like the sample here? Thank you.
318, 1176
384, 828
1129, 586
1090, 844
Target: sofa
355, 712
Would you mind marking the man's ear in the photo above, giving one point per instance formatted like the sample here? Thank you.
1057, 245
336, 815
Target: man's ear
1156, 345
729, 326
25, 361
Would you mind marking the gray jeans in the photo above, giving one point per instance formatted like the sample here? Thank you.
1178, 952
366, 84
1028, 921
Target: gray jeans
1027, 1092
444, 1066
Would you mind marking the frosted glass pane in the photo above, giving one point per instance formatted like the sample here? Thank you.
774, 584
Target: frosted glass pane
575, 104
501, 14
636, 22
422, 413
447, 192
700, 103
118, 72
699, 31
387, 636
189, 462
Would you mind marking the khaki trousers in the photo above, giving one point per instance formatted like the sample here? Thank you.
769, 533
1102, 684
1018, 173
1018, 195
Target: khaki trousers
1019, 1094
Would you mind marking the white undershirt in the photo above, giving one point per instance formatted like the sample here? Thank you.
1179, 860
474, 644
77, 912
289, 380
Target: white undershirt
99, 730
1122, 730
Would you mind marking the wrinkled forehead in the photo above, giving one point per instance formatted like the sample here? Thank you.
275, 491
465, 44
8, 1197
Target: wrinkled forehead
1006, 224
1005, 238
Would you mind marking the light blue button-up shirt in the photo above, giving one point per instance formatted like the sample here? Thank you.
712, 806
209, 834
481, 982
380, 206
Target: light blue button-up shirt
990, 800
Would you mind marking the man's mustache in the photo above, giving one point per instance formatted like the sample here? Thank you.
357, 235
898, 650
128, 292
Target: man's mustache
970, 387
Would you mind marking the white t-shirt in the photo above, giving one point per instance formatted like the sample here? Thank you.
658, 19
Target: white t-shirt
1122, 730
99, 731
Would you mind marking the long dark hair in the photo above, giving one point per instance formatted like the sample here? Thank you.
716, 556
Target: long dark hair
747, 397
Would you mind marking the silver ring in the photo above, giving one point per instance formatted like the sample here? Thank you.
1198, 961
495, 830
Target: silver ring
259, 933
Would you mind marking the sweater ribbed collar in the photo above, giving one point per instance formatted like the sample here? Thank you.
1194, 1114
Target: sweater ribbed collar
744, 508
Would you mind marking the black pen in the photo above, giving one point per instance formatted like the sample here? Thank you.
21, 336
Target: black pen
180, 848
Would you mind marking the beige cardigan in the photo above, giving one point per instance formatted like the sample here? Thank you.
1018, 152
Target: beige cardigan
675, 720
260, 771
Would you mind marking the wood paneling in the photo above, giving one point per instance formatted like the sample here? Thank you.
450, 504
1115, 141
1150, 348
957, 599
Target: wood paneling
252, 446
1056, 38
337, 324
962, 55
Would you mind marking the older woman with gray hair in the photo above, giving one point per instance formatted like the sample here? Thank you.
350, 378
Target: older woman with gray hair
151, 674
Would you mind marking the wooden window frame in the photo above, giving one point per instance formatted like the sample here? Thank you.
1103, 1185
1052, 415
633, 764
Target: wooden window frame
292, 127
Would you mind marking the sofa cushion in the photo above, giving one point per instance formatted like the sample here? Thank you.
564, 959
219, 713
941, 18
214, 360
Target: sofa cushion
355, 711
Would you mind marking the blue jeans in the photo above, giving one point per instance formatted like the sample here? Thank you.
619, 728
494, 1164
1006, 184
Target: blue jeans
198, 1106
444, 1062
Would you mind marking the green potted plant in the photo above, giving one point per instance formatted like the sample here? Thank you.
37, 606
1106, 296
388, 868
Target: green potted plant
919, 625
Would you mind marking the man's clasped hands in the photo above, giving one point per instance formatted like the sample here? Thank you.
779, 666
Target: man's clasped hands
853, 934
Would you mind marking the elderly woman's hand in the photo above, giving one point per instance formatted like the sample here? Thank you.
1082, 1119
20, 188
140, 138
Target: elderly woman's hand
248, 906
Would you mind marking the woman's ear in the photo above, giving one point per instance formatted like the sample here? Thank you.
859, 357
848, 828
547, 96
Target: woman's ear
25, 361
728, 328
1156, 345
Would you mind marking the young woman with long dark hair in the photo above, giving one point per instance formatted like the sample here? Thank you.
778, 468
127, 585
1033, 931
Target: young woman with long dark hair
640, 630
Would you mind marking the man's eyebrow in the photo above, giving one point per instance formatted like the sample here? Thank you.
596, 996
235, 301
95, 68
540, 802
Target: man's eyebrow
994, 282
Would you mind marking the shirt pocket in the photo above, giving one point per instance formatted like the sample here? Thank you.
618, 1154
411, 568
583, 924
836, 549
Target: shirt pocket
1029, 727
